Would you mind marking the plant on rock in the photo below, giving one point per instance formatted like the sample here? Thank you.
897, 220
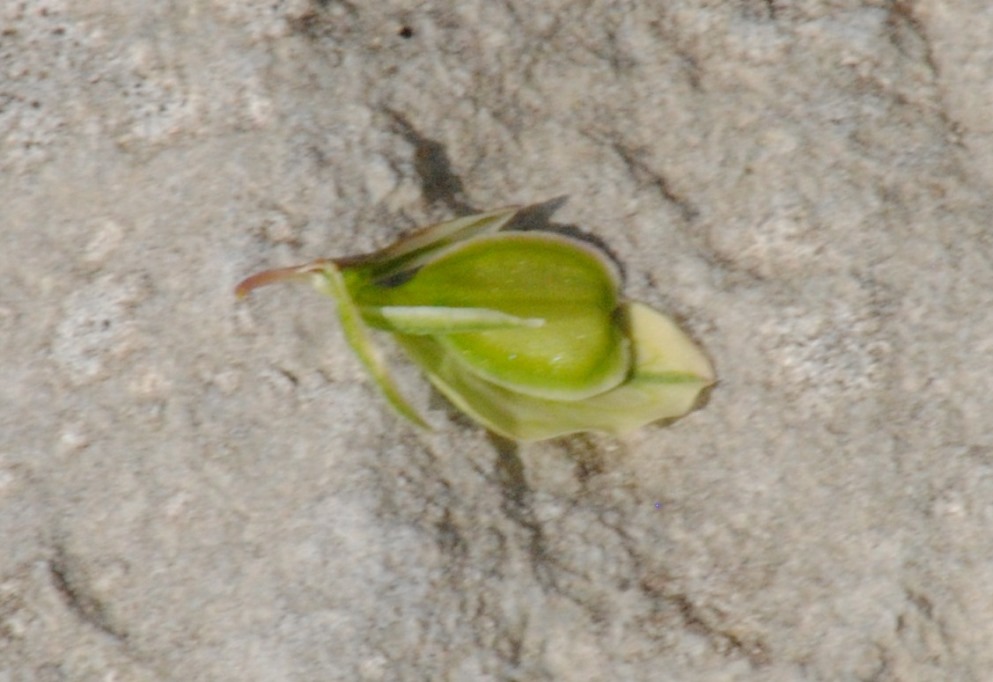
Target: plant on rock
526, 332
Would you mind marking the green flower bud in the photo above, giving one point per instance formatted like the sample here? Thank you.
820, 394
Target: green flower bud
523, 331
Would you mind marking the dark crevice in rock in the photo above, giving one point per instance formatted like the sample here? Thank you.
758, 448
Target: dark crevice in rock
706, 621
78, 599
641, 172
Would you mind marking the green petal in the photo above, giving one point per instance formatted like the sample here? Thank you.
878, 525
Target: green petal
669, 373
581, 349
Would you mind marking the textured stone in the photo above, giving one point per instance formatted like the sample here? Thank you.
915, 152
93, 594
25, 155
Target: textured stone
196, 488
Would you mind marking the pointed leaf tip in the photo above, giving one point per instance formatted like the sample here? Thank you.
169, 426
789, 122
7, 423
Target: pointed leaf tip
266, 277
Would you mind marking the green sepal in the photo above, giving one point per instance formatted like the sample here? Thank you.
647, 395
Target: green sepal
436, 320
414, 250
328, 280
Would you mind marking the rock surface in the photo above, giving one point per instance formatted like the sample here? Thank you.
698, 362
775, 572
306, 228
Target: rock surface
195, 488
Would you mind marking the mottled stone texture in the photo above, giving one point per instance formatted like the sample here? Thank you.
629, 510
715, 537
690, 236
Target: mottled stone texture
194, 488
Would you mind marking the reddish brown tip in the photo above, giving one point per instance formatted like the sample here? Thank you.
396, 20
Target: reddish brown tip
260, 279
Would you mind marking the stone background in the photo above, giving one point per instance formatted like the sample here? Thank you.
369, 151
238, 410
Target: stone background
193, 488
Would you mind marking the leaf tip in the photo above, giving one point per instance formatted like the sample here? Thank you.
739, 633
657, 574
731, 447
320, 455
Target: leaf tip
261, 279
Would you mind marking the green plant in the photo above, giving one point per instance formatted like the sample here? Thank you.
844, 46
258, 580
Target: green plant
526, 332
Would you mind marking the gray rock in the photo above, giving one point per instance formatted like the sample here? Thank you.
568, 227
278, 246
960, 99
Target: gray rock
195, 488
